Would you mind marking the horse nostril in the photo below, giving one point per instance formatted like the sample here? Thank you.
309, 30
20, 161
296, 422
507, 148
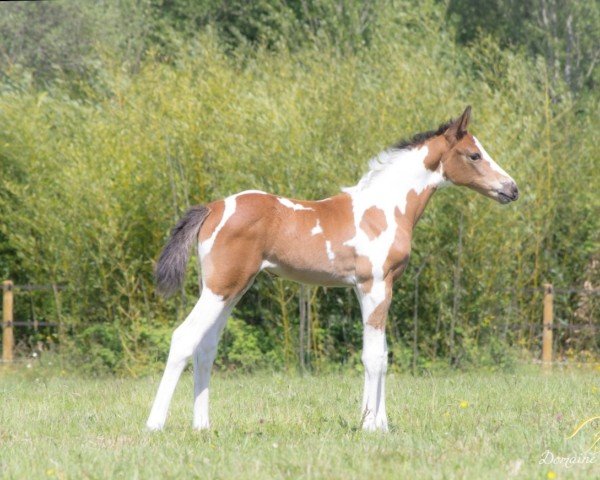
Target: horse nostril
509, 191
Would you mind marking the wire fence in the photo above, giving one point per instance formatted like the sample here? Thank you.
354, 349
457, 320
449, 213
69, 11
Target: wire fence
544, 329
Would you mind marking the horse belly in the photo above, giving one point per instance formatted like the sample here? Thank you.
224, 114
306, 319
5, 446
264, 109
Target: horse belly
313, 276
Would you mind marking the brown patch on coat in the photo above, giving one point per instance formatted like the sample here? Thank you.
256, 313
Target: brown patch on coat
478, 175
416, 203
337, 221
262, 228
436, 147
399, 254
378, 317
283, 236
237, 253
214, 218
456, 166
373, 222
364, 273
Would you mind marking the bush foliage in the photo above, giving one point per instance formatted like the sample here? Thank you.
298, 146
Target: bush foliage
97, 165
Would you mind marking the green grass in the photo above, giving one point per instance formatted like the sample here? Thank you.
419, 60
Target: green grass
288, 426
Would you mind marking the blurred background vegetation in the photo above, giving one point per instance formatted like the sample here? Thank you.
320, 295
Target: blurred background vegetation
118, 115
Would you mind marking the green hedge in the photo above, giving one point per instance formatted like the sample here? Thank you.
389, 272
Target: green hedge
91, 184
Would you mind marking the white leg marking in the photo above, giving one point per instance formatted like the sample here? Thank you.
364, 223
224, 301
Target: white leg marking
204, 357
374, 358
202, 319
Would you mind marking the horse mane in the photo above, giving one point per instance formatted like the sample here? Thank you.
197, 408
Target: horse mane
422, 137
379, 163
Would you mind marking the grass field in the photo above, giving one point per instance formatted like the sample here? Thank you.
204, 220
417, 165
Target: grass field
463, 425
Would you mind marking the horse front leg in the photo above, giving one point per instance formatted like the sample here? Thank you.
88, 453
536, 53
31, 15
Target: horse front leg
374, 304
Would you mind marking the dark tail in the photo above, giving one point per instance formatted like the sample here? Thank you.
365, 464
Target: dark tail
172, 263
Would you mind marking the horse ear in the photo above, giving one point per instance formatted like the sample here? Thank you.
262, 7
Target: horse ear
465, 118
458, 128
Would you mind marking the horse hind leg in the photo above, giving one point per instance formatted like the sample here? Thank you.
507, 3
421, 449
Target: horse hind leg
206, 351
204, 357
207, 317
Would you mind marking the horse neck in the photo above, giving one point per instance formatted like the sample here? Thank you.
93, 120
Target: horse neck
400, 181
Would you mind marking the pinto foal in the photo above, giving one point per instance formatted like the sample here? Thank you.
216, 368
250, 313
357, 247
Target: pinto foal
359, 238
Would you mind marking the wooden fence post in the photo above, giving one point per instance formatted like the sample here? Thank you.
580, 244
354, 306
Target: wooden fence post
8, 340
548, 324
61, 327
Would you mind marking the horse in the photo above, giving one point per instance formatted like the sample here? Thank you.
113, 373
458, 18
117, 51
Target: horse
359, 238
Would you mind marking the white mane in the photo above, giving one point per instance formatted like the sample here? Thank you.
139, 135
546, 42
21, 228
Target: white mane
402, 163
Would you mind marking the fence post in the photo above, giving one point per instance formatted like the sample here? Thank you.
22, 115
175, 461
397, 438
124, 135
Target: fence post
548, 324
8, 340
61, 329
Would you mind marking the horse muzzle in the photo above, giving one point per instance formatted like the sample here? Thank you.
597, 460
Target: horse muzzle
507, 193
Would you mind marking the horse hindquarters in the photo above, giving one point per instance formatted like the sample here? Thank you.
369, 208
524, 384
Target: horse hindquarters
231, 252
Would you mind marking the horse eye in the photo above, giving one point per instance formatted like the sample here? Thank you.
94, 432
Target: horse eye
474, 156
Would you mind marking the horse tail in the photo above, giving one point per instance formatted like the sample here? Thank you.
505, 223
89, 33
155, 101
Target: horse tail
172, 263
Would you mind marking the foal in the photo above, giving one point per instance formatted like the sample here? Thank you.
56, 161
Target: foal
359, 238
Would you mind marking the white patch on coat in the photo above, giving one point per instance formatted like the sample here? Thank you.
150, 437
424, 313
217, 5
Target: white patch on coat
330, 254
493, 165
267, 264
369, 302
445, 182
246, 192
230, 205
206, 246
393, 175
294, 206
316, 229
